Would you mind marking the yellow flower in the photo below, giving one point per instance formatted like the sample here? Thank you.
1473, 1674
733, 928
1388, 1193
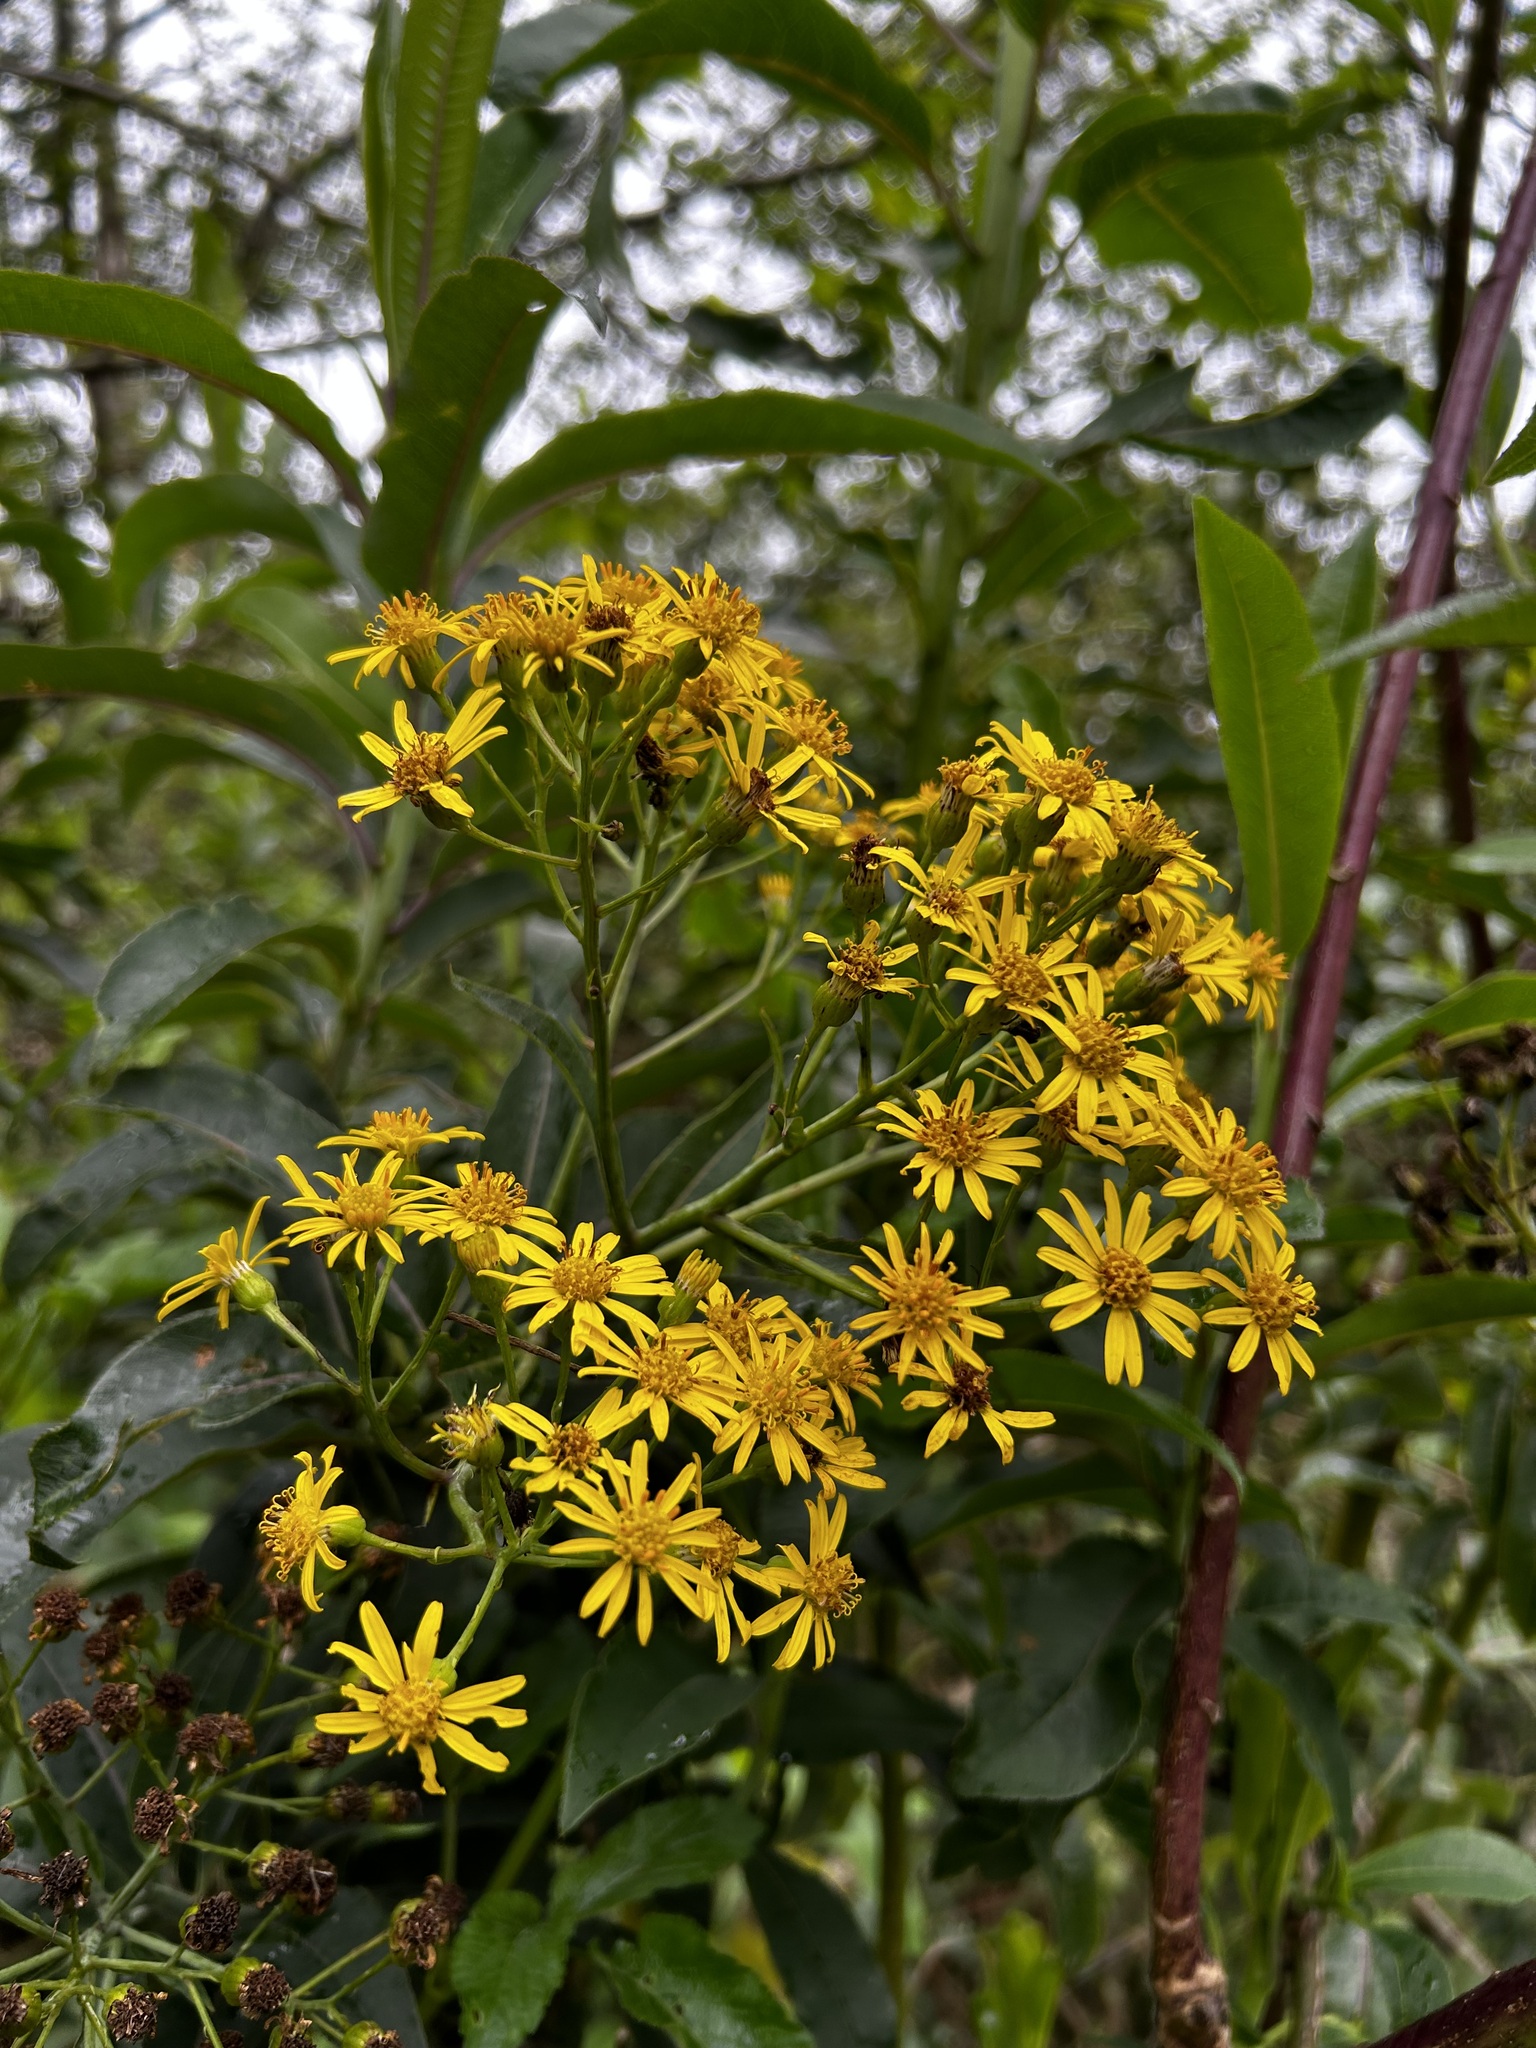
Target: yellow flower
945, 896
849, 1462
902, 808
1115, 1273
644, 1534
1072, 786
960, 1140
295, 1525
964, 1390
666, 1373
924, 1308
567, 1451
817, 738
836, 1360
1238, 1185
1149, 844
578, 1274
1102, 1060
775, 1397
1266, 975
1214, 960
467, 1432
776, 892
1270, 1304
422, 765
820, 1588
1056, 1129
612, 583
484, 1216
412, 1702
405, 629
228, 1269
1002, 969
729, 1318
404, 1131
973, 785
754, 793
711, 614
557, 640
718, 1558
366, 1214
856, 969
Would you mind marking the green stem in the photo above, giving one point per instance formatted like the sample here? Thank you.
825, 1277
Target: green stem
535, 1823
782, 1255
492, 1586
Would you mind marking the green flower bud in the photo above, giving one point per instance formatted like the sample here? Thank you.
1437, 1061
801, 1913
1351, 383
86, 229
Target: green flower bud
346, 1535
253, 1291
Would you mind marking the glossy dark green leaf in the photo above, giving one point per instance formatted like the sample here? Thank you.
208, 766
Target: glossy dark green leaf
1041, 1380
1477, 1011
243, 1114
194, 508
1432, 1301
1056, 529
704, 1998
1517, 1534
1317, 1596
160, 967
1279, 733
1519, 458
137, 322
556, 1039
522, 160
507, 1964
732, 428
469, 360
1064, 1715
1449, 1863
89, 612
831, 1973
850, 1710
658, 1848
1311, 1703
1162, 413
706, 1152
90, 1190
1104, 1480
531, 52
455, 914
641, 1709
805, 46
530, 1121
1341, 605
1504, 616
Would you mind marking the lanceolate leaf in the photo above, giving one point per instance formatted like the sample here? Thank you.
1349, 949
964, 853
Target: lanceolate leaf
1502, 617
193, 508
531, 52
1279, 735
732, 428
86, 597
828, 1967
1519, 458
806, 46
1342, 607
1432, 1301
1310, 1699
1486, 1006
1450, 1863
245, 1115
1056, 528
1161, 413
156, 970
557, 1039
137, 322
469, 360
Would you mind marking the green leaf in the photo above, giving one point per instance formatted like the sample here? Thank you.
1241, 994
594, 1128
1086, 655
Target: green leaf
444, 65
522, 159
1501, 853
851, 1710
1054, 530
1321, 1596
1098, 1478
89, 613
831, 1973
507, 1964
156, 970
1409, 1977
455, 914
1519, 458
1057, 1723
530, 1121
641, 1709
707, 1151
89, 1191
1161, 413
1279, 735
1311, 1703
659, 1848
136, 322
561, 1043
734, 427
193, 508
1517, 1534
805, 46
531, 52
1341, 605
381, 81
1066, 1386
289, 716
243, 1114
704, 1998
468, 362
1472, 1012
1502, 617
1432, 1301
1449, 1863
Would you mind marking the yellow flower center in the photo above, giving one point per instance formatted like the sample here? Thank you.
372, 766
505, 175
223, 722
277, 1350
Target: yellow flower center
953, 1138
812, 724
489, 1197
836, 1360
580, 1277
731, 1321
462, 1431
1020, 978
290, 1529
401, 1130
478, 1251
861, 963
623, 586
720, 1558
831, 1584
1275, 1302
411, 622
425, 761
920, 1300
944, 899
1244, 1175
642, 1534
1103, 1049
1073, 779
554, 635
776, 1395
720, 616
1146, 831
366, 1206
663, 1371
412, 1711
970, 1387
1124, 1281
571, 1447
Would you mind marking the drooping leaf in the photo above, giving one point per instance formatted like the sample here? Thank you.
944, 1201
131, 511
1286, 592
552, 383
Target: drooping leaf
1311, 1703
522, 160
1504, 616
137, 322
89, 1191
508, 1962
1279, 734
454, 914
193, 508
469, 360
243, 1114
676, 1978
1473, 1012
641, 1709
162, 966
1161, 413
446, 48
733, 427
1055, 529
1431, 1301
89, 612
805, 46
531, 52
850, 1710
658, 1848
1342, 606
1449, 1863
1500, 853
1104, 1480
556, 1038
1064, 1714
1041, 1380
831, 1973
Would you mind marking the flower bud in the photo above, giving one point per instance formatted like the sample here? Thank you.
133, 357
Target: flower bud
694, 1280
834, 1004
347, 1534
1024, 832
1142, 988
253, 1291
436, 814
727, 823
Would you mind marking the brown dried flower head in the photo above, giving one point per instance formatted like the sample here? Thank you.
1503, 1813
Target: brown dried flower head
210, 1740
55, 1726
191, 1596
64, 1882
210, 1926
117, 1710
132, 2013
56, 1614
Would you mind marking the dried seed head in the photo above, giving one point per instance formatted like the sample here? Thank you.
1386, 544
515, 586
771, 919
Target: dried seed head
125, 1611
349, 1802
103, 1647
416, 1931
7, 1833
211, 1739
449, 1900
287, 1607
64, 1882
55, 1726
394, 1803
56, 1614
118, 1712
326, 1752
305, 1880
154, 1815
132, 2013
172, 1695
210, 1926
190, 1596
262, 1991
18, 2009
